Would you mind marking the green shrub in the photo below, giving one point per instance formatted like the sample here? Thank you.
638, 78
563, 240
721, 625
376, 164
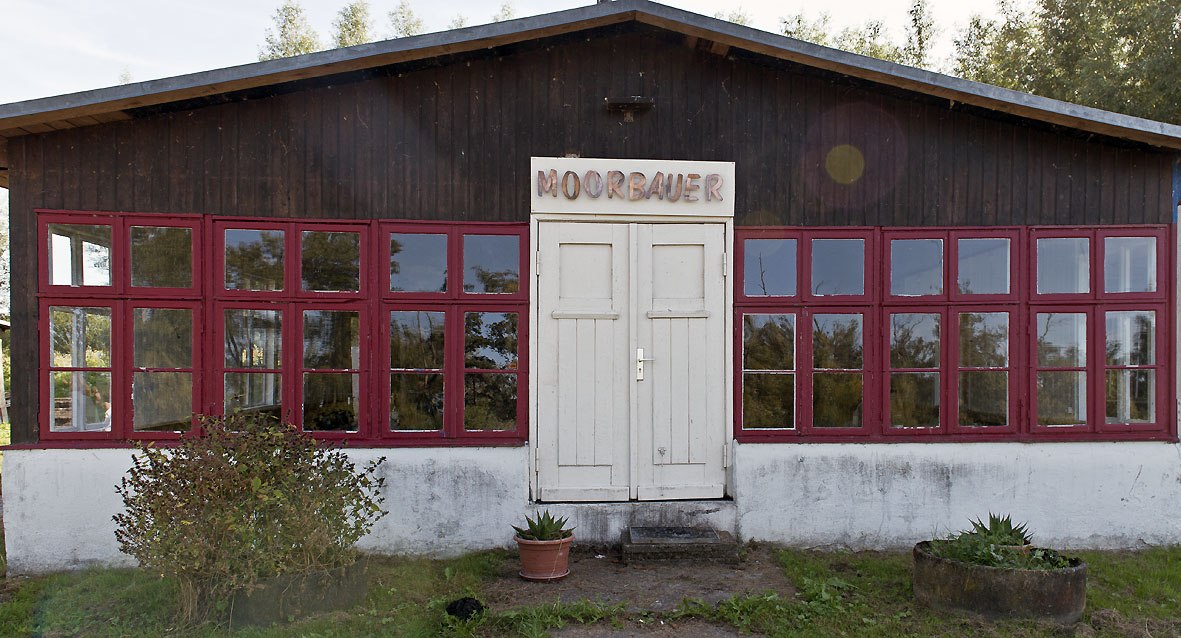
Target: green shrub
249, 499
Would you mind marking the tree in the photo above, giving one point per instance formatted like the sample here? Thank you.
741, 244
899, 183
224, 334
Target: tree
737, 16
353, 25
506, 12
292, 35
871, 38
125, 76
403, 22
4, 258
458, 22
1118, 55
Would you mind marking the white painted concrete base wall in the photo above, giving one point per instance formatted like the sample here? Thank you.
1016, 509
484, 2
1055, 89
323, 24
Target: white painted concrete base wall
876, 496
58, 504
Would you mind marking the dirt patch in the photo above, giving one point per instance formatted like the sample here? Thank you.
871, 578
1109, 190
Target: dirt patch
648, 628
1111, 622
644, 587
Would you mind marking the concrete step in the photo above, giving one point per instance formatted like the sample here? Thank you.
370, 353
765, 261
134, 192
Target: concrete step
640, 544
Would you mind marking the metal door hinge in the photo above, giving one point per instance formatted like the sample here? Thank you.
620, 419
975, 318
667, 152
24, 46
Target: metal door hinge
725, 265
537, 264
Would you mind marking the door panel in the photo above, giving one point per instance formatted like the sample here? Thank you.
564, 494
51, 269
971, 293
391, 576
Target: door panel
605, 291
582, 430
681, 412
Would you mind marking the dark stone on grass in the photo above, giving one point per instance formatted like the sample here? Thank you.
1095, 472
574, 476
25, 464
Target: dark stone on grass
293, 596
465, 608
1058, 595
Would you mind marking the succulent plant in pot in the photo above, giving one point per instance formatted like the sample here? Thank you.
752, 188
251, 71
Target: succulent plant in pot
544, 544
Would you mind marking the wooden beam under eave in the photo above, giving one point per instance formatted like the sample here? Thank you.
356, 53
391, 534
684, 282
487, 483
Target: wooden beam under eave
5, 167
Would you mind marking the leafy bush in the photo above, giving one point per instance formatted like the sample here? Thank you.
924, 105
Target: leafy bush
999, 543
249, 499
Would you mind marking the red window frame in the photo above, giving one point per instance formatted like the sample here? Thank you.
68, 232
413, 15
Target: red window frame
208, 299
1022, 302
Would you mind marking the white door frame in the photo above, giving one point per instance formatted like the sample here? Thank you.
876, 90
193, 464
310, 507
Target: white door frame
534, 308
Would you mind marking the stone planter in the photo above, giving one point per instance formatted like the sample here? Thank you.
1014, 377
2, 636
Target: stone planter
1058, 595
290, 596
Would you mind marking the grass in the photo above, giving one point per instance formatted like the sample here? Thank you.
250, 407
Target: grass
838, 594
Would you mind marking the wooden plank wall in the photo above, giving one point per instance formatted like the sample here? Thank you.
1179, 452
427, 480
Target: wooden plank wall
452, 142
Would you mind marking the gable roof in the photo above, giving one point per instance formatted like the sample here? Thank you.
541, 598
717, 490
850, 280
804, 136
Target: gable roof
115, 103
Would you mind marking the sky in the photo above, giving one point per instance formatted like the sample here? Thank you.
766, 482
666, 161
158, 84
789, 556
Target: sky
54, 47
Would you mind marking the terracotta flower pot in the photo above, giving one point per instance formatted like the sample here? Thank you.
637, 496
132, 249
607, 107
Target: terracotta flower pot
545, 560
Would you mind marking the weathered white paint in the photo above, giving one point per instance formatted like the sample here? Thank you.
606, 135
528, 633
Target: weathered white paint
1074, 495
444, 501
58, 504
565, 197
632, 382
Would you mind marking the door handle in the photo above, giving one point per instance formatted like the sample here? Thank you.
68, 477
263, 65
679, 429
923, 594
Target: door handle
640, 364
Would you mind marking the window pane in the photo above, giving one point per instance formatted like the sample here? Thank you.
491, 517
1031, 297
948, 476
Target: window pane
984, 339
330, 262
491, 263
161, 257
163, 337
836, 342
79, 255
769, 267
253, 338
418, 263
490, 340
838, 266
416, 402
1131, 396
983, 266
916, 267
331, 339
914, 399
330, 402
768, 342
81, 401
1063, 265
984, 398
258, 392
1129, 264
80, 337
1061, 398
254, 259
162, 401
416, 340
490, 402
914, 340
836, 400
768, 400
1131, 338
1061, 339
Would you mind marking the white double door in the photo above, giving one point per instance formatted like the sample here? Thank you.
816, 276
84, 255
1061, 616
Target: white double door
631, 362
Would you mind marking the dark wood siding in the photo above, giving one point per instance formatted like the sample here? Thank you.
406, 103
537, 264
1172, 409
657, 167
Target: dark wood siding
453, 141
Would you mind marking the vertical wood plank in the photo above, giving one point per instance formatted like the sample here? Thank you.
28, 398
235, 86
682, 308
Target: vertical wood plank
585, 372
567, 382
25, 154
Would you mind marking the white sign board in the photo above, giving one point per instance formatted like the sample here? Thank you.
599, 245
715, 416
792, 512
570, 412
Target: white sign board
631, 187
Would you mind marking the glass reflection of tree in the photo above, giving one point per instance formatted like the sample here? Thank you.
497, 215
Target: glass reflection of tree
396, 248
81, 338
163, 339
837, 396
495, 281
1130, 394
331, 342
416, 343
255, 265
984, 343
331, 261
490, 343
161, 257
768, 399
914, 396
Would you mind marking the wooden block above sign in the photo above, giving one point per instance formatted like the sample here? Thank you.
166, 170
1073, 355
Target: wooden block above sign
631, 187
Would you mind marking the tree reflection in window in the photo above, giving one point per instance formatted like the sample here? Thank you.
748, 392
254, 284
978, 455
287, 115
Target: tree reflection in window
254, 259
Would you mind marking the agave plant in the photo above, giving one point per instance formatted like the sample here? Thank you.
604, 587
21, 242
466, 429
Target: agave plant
544, 527
1000, 530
